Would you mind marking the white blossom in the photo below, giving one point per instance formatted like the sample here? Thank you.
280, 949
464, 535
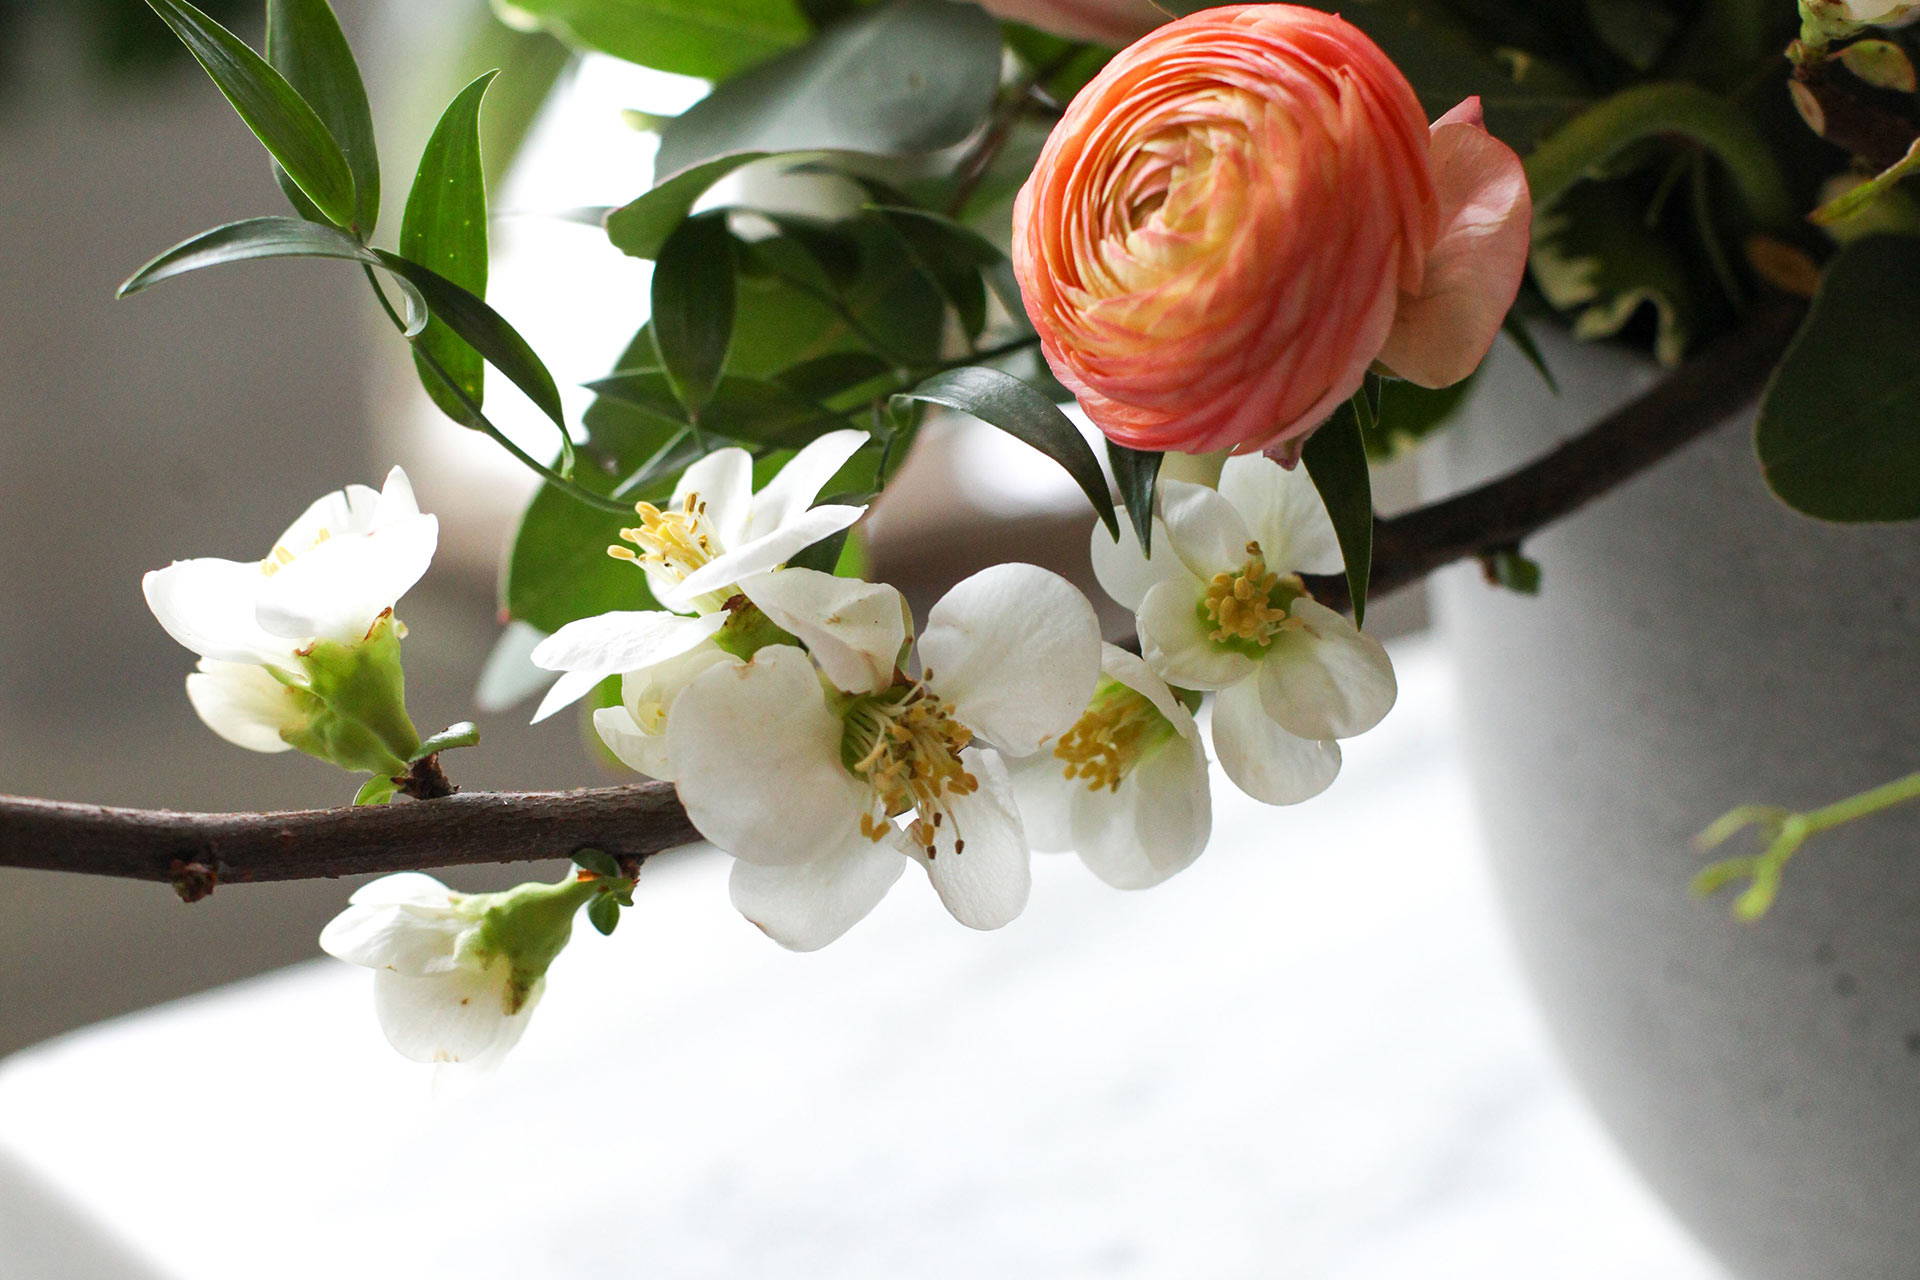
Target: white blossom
1126, 786
805, 777
1220, 608
331, 576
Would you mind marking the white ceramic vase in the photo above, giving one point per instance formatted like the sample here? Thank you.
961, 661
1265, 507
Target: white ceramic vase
1697, 646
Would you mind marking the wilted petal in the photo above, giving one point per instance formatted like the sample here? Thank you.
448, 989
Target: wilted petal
854, 629
1327, 679
755, 751
1016, 650
805, 907
1442, 333
1264, 760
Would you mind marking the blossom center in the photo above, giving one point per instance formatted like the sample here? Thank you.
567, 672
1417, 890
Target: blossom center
677, 541
1249, 606
905, 744
1114, 734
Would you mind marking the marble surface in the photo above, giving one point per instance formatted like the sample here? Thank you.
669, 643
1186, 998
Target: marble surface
1305, 1057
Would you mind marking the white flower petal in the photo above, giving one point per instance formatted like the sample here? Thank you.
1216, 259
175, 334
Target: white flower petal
1016, 649
1202, 528
1045, 796
1176, 641
798, 483
404, 888
1327, 679
1123, 570
1264, 760
1285, 514
637, 749
757, 555
350, 511
208, 606
396, 502
854, 629
398, 937
1154, 825
981, 868
756, 754
724, 481
244, 704
592, 649
337, 590
1131, 670
805, 907
458, 1016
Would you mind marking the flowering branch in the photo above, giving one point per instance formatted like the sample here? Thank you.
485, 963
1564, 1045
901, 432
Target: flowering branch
195, 851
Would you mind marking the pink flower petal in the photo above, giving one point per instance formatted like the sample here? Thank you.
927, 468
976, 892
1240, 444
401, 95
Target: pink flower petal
1442, 333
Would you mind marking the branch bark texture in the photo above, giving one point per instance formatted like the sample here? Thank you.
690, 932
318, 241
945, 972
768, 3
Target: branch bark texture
196, 851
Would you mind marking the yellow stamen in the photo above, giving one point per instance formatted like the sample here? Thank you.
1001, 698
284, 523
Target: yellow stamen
906, 745
1111, 737
679, 540
1251, 602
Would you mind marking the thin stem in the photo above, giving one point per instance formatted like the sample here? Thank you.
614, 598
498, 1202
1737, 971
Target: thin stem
1785, 832
480, 422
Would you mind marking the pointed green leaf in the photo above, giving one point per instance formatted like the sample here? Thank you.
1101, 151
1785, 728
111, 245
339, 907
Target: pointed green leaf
1026, 414
603, 913
257, 238
1336, 459
641, 227
488, 332
1137, 473
1839, 429
745, 409
445, 228
711, 39
902, 78
283, 121
305, 44
693, 306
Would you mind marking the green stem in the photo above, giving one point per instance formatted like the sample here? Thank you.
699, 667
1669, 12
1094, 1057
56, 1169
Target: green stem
484, 424
1785, 832
1652, 110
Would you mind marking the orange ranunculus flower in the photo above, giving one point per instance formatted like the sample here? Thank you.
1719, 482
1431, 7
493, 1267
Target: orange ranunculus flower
1243, 212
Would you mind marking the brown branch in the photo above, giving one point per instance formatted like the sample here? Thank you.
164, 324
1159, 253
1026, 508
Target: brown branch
1718, 381
196, 851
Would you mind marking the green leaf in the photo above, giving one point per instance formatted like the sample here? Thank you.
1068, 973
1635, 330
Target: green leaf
953, 259
1595, 256
305, 44
378, 789
1522, 337
902, 78
603, 913
1336, 459
1408, 414
711, 39
1026, 414
559, 570
276, 113
1137, 473
1446, 60
445, 228
260, 238
745, 409
1514, 571
453, 737
693, 306
487, 332
599, 862
640, 228
1839, 429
